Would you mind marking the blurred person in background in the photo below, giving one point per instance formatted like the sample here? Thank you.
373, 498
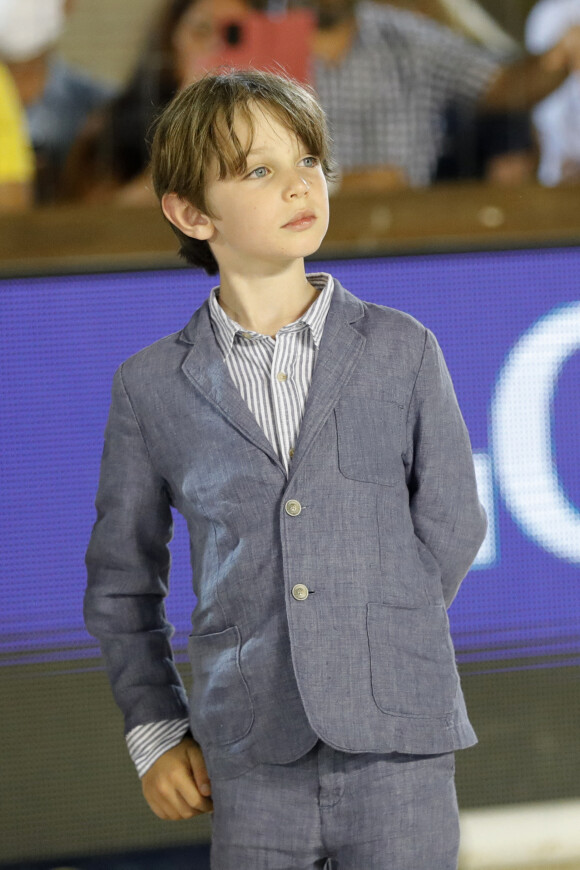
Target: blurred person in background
387, 137
58, 98
110, 159
415, 84
16, 157
391, 78
557, 118
386, 77
500, 147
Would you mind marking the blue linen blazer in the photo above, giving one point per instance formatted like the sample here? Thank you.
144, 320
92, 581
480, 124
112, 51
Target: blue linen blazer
384, 523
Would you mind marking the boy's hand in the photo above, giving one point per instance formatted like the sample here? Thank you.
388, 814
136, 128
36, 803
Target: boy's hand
177, 785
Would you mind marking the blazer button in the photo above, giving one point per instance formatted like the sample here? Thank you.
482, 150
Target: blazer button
300, 592
292, 507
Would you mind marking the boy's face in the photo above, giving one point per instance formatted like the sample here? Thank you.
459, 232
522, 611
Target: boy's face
277, 211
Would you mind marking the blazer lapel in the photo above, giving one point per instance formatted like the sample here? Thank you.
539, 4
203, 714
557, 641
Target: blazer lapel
339, 351
206, 370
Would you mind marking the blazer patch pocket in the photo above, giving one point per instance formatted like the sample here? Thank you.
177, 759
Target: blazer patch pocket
370, 439
413, 669
221, 706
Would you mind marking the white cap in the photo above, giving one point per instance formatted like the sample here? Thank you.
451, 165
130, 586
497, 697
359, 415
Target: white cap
548, 22
29, 27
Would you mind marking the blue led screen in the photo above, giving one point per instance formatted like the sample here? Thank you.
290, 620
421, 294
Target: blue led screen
509, 325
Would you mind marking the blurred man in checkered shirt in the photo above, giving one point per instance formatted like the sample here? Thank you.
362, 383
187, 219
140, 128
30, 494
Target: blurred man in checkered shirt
386, 77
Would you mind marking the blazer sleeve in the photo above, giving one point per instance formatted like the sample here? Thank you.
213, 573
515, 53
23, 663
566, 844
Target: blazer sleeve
128, 570
447, 515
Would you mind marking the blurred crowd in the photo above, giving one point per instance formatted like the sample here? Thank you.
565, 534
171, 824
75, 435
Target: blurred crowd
416, 91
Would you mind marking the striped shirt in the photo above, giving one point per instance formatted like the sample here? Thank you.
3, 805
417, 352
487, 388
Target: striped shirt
273, 376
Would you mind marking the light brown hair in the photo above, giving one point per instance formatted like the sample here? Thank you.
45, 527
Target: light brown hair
196, 132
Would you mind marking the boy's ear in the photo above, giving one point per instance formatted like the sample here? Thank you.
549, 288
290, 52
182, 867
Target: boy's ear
186, 217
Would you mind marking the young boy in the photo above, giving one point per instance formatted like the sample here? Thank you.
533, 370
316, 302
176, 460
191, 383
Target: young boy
314, 445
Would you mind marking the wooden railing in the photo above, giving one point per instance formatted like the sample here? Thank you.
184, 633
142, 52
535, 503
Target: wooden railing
445, 217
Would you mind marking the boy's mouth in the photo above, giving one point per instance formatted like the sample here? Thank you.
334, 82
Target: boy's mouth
301, 221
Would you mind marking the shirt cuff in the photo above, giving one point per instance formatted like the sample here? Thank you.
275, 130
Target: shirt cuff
147, 742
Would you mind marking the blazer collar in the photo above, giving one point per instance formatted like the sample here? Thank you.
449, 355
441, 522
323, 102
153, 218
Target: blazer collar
339, 351
342, 344
205, 368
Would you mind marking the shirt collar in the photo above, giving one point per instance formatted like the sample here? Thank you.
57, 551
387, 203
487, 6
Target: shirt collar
315, 316
226, 329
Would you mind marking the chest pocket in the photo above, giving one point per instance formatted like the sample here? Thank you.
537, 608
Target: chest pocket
370, 434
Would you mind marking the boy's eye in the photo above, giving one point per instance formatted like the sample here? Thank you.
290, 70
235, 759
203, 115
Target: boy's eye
258, 172
310, 162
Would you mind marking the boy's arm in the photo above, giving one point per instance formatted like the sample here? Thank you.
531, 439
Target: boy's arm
128, 568
128, 571
447, 516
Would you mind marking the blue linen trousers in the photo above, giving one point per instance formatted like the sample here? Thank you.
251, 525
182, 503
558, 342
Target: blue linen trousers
345, 811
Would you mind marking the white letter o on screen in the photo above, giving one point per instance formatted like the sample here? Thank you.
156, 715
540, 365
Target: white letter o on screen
521, 433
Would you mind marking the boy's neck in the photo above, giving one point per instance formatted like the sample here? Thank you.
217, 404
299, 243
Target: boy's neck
266, 303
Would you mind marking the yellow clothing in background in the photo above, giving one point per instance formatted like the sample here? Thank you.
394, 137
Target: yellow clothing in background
16, 156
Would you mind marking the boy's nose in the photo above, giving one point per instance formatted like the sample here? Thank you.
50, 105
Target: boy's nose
298, 186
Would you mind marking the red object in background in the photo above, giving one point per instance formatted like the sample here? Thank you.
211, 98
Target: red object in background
278, 42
